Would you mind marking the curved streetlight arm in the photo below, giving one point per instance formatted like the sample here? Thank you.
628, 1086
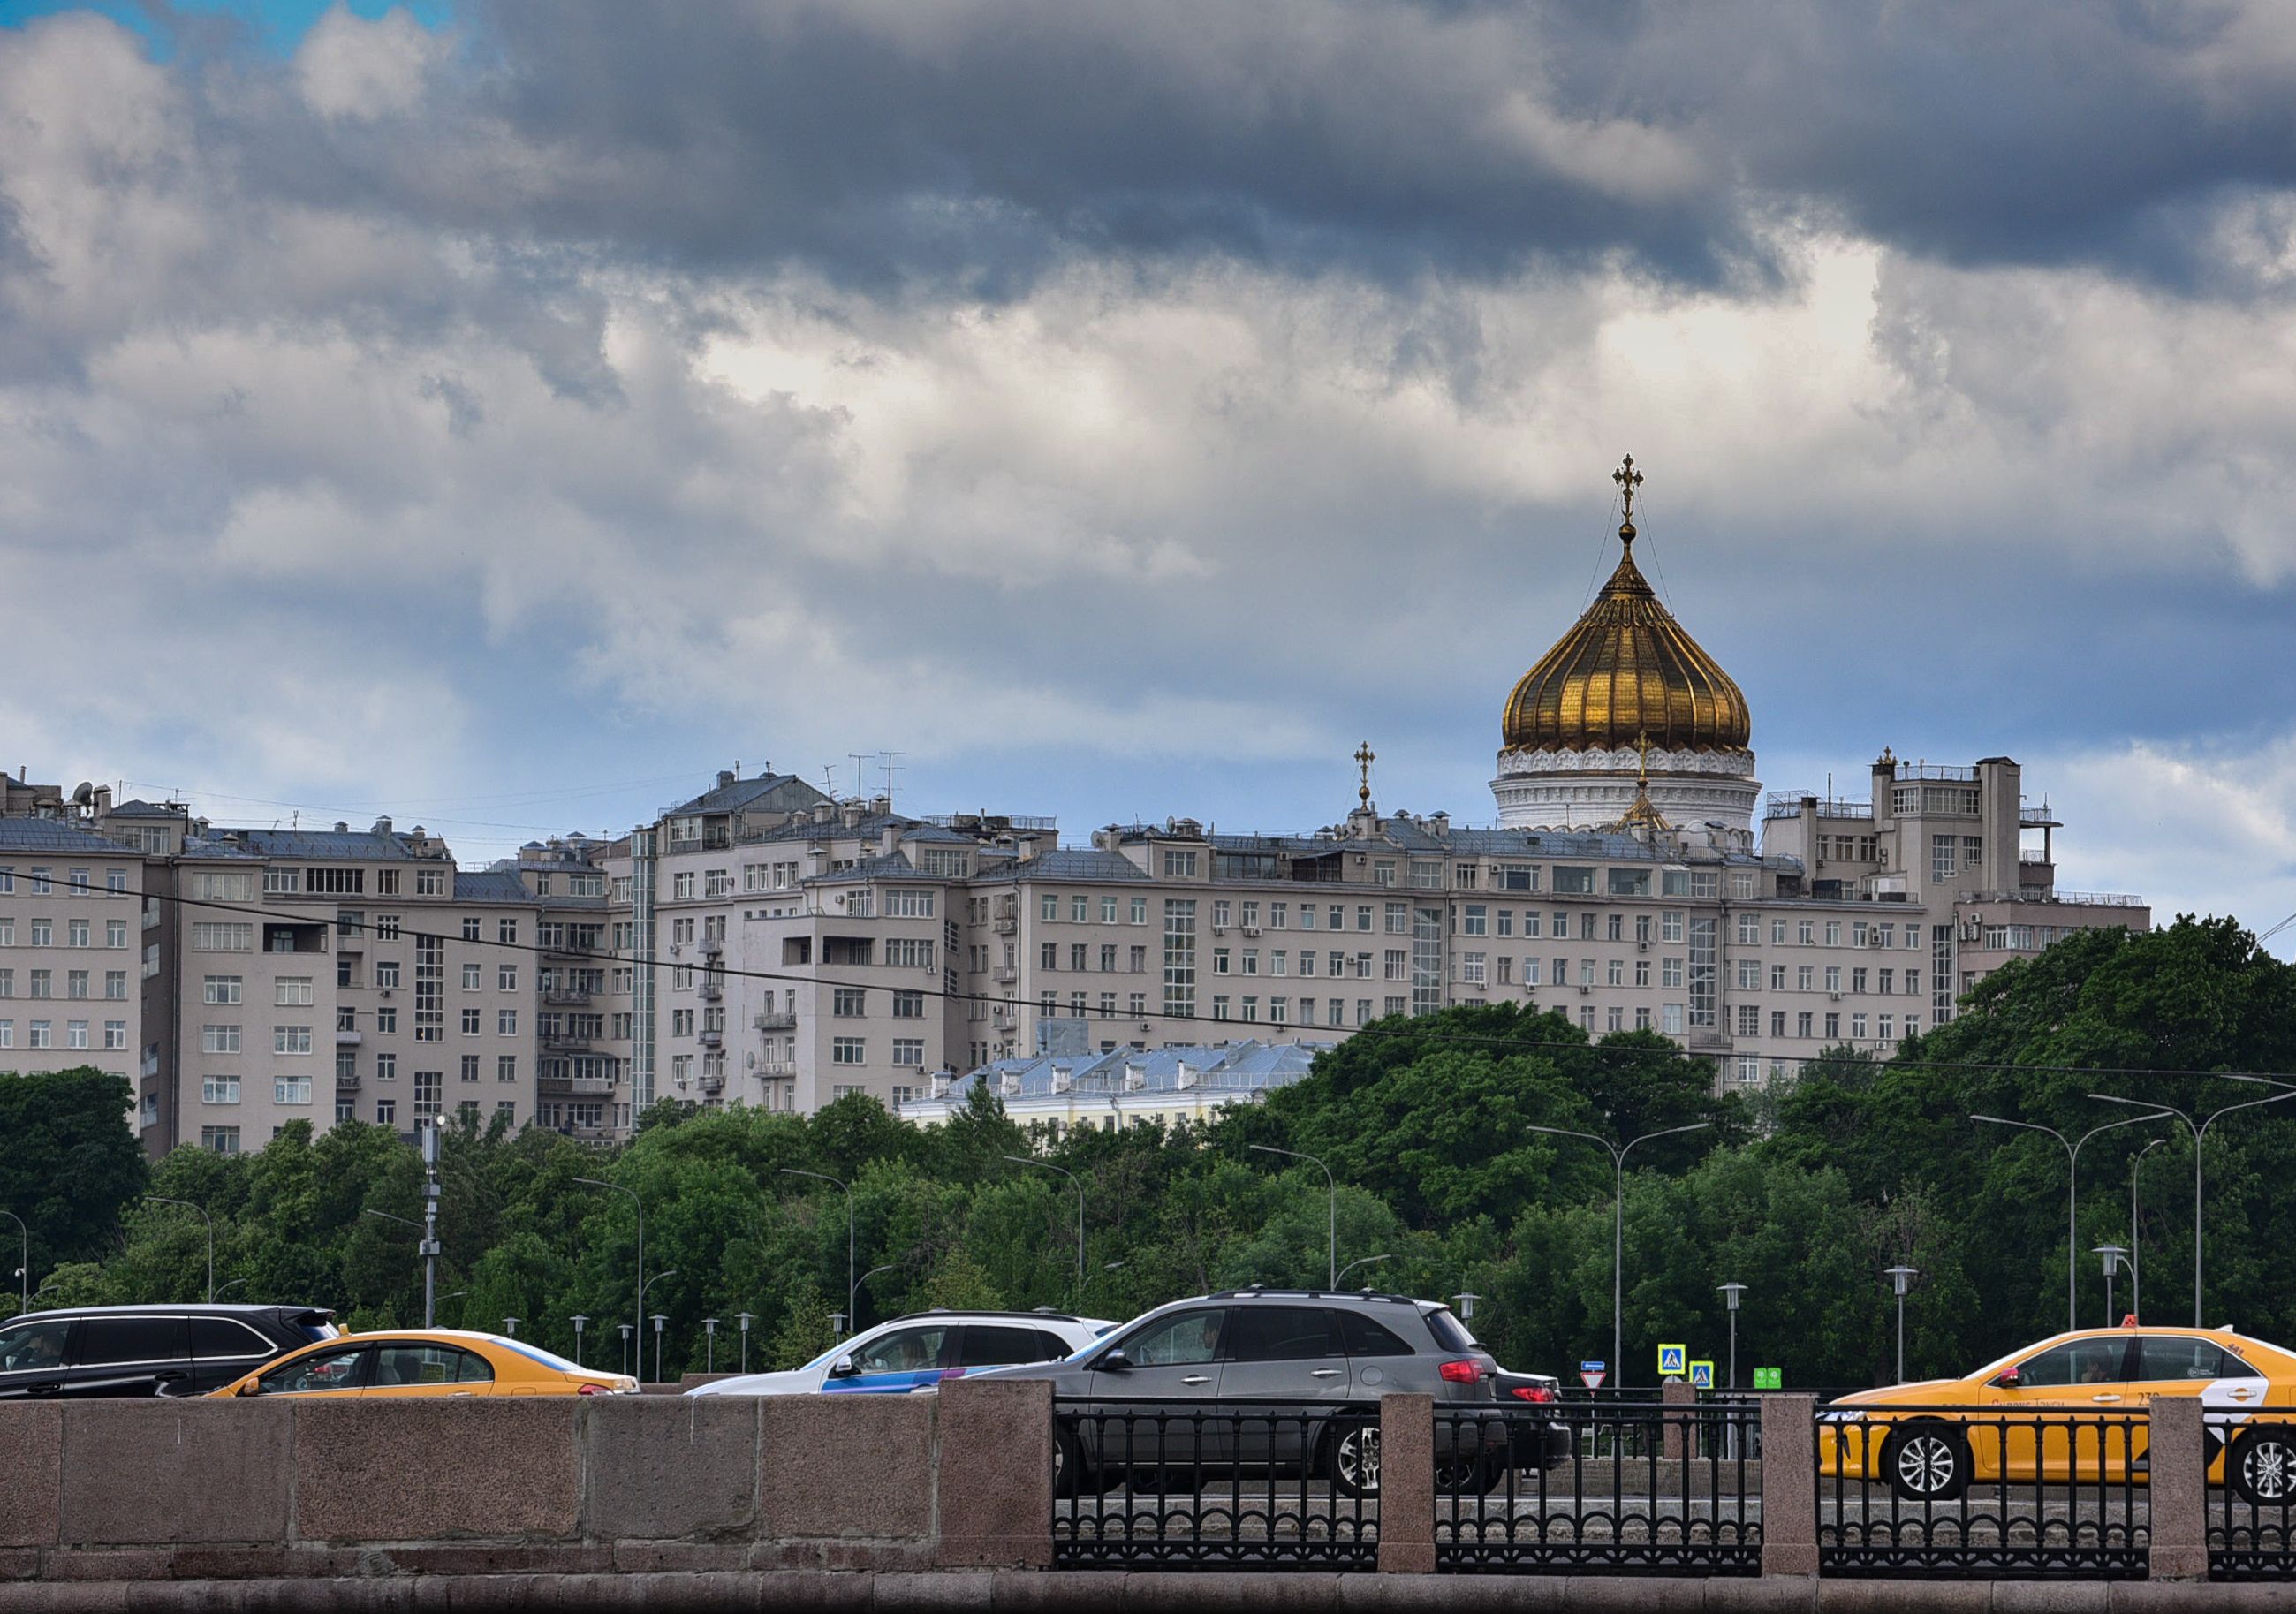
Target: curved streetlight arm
1627, 1148
1565, 1132
1361, 1261
624, 1188
2200, 1131
1332, 1183
160, 1199
388, 1216
24, 1268
1022, 1159
852, 1284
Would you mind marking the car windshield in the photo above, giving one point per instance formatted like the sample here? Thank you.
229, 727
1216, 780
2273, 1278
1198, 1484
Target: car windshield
845, 1347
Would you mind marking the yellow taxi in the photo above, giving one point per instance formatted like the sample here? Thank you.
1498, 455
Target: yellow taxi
433, 1362
2083, 1380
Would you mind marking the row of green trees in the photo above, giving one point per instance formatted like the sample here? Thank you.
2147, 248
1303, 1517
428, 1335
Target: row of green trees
1804, 1195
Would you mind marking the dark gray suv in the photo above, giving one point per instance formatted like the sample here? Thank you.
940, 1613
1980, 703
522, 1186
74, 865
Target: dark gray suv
147, 1350
1260, 1378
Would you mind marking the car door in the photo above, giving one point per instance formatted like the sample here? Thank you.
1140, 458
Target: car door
131, 1355
336, 1371
2089, 1375
33, 1354
1160, 1408
1278, 1364
2230, 1391
426, 1371
225, 1349
894, 1363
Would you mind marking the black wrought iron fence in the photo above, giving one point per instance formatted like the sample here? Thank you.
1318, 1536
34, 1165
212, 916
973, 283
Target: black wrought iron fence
1957, 1491
2252, 1511
1238, 1485
1623, 1487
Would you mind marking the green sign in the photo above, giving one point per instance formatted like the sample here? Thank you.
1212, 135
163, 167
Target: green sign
1673, 1361
1769, 1378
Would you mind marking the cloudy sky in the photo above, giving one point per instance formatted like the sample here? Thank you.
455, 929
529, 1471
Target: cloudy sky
505, 415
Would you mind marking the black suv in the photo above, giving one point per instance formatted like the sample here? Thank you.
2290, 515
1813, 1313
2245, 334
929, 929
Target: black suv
147, 1350
1260, 1378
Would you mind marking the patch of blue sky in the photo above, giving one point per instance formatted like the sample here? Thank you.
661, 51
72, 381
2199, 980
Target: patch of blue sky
277, 26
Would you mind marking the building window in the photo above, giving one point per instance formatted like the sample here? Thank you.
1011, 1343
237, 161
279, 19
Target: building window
848, 1003
291, 1040
908, 1052
219, 1140
291, 1090
848, 1051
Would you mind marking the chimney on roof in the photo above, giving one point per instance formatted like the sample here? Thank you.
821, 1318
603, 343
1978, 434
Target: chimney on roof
342, 828
382, 826
822, 810
1185, 1076
724, 777
881, 805
1135, 1077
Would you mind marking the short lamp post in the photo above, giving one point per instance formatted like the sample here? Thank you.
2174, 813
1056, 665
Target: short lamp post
1463, 1303
2112, 1256
709, 1345
1730, 1293
579, 1319
626, 1328
836, 1326
745, 1318
1902, 1278
510, 1327
659, 1319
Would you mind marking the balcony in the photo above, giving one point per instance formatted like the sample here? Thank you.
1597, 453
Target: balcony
575, 1086
1709, 1042
347, 1081
566, 997
773, 1021
713, 1039
710, 946
570, 948
1005, 976
1006, 925
2042, 818
566, 1041
711, 990
713, 1084
776, 1070
347, 1039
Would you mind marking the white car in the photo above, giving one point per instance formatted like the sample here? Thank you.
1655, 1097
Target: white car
917, 1352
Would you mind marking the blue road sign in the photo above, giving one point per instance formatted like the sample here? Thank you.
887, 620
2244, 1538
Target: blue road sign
1673, 1361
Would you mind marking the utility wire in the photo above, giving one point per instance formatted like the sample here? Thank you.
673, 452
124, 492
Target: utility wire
1228, 1027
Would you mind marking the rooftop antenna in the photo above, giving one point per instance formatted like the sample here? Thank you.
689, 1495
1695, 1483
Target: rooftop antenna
892, 765
858, 759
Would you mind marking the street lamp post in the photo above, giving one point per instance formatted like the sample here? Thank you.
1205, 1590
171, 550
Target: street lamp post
866, 1276
2072, 1188
1730, 1293
23, 1271
579, 1319
2200, 1131
851, 1282
620, 1188
157, 1199
1022, 1159
1618, 1225
1359, 1261
745, 1318
2136, 1287
2113, 1256
625, 1327
659, 1319
1902, 1278
1333, 1184
510, 1328
709, 1345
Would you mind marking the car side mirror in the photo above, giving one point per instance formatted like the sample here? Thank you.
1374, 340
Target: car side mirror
253, 1387
1114, 1360
842, 1368
2007, 1379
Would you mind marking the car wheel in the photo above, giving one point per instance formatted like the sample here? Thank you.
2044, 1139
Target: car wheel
2262, 1467
1926, 1462
1067, 1463
1352, 1459
1470, 1475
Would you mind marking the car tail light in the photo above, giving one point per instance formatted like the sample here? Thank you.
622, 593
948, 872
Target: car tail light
1535, 1392
589, 1389
1460, 1370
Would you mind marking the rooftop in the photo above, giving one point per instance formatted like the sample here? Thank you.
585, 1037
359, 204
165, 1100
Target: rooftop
1247, 1067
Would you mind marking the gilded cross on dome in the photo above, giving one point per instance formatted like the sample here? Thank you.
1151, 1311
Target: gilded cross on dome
1628, 479
1365, 758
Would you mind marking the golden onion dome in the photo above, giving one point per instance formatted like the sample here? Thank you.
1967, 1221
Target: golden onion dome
1625, 673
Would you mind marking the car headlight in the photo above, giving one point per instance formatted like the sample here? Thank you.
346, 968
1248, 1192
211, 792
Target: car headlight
1848, 1414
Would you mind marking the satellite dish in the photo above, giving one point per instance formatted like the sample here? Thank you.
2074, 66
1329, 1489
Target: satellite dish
85, 795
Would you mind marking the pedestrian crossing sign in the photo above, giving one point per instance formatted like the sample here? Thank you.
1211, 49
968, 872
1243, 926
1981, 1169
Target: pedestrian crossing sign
1702, 1375
1673, 1361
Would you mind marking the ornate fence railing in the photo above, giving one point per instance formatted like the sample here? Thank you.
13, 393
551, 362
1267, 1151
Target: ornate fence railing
1987, 1492
1621, 1487
1231, 1485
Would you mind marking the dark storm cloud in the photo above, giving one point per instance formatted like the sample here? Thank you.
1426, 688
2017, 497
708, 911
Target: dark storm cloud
965, 146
